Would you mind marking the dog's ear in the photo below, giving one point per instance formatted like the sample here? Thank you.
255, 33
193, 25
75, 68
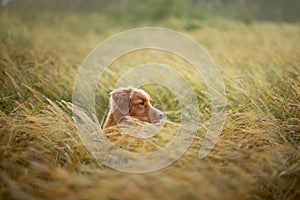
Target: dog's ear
120, 100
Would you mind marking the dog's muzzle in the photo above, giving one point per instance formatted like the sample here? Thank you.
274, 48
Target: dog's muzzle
155, 115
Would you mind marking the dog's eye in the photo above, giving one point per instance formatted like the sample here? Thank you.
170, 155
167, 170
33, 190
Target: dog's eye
141, 103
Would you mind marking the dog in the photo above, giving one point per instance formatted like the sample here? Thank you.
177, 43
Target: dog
131, 102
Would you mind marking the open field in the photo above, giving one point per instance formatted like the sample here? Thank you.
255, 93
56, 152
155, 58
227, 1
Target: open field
41, 156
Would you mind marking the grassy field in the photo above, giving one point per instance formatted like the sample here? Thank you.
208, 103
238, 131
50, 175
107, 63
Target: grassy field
42, 157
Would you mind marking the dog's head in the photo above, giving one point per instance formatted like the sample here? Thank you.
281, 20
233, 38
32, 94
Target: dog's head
135, 103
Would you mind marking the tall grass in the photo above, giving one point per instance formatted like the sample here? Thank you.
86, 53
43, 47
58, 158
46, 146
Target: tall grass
41, 155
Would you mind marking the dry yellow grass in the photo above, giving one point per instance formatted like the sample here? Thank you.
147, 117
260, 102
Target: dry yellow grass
42, 157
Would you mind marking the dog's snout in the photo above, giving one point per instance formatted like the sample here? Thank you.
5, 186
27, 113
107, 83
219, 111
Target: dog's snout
156, 115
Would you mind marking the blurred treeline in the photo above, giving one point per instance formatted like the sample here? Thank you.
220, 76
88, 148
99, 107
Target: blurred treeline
153, 10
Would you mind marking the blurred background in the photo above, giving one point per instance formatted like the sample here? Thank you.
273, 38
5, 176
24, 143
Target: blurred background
135, 11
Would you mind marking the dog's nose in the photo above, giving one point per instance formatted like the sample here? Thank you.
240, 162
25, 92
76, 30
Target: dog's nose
161, 115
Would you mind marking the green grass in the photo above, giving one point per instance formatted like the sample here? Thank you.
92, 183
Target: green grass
41, 155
